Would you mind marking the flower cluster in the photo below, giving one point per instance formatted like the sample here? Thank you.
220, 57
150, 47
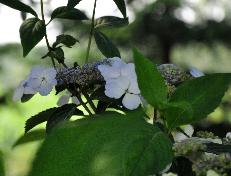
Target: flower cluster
121, 82
40, 80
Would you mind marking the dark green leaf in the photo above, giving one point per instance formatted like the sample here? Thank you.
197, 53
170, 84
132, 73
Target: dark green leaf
32, 136
110, 21
62, 114
67, 13
122, 6
18, 5
2, 167
201, 96
32, 32
67, 40
217, 148
72, 3
58, 54
107, 48
110, 144
151, 83
26, 97
38, 119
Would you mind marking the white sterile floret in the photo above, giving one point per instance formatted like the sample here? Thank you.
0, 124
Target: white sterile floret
195, 72
42, 79
121, 79
22, 89
64, 99
228, 135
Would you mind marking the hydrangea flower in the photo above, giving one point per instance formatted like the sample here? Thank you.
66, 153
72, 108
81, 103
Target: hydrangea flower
64, 99
22, 89
121, 80
195, 72
228, 135
42, 79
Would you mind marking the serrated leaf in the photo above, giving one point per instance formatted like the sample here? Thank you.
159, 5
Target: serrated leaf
72, 3
107, 48
62, 114
18, 5
66, 13
32, 136
32, 32
66, 40
121, 6
110, 21
38, 119
110, 144
203, 95
152, 85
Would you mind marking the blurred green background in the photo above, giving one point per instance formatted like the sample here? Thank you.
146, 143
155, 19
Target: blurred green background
190, 33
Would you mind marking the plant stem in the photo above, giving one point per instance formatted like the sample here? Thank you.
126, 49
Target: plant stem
91, 33
46, 38
155, 116
90, 101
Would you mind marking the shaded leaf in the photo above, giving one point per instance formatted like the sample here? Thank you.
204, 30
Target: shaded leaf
110, 21
72, 3
32, 136
107, 48
110, 144
151, 83
67, 13
217, 148
121, 6
32, 32
26, 97
18, 5
58, 54
202, 95
67, 40
2, 167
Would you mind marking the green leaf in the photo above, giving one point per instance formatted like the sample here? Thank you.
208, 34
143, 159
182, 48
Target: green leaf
66, 40
122, 6
202, 96
72, 3
32, 32
110, 21
18, 5
109, 144
2, 167
32, 136
67, 13
62, 114
107, 48
151, 83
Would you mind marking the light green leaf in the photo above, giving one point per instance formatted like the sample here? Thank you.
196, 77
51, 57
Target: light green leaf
72, 3
107, 48
18, 5
110, 21
151, 83
109, 144
202, 96
122, 6
32, 32
68, 13
32, 136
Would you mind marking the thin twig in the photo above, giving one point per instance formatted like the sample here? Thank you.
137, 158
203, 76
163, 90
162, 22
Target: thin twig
91, 33
155, 116
90, 101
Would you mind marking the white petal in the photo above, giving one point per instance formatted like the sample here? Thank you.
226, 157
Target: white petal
116, 62
45, 89
228, 135
18, 93
131, 101
63, 100
133, 87
108, 72
196, 73
75, 100
128, 70
36, 71
34, 83
29, 90
51, 72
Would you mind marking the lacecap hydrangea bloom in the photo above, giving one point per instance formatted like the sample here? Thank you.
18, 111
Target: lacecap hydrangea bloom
121, 80
40, 80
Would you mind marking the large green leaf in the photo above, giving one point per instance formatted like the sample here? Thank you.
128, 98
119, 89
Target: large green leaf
35, 135
68, 13
18, 5
110, 144
72, 3
32, 32
107, 48
110, 21
202, 95
151, 83
122, 6
2, 169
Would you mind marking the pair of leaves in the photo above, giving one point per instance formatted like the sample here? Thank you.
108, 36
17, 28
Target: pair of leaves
109, 144
193, 100
18, 5
53, 116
